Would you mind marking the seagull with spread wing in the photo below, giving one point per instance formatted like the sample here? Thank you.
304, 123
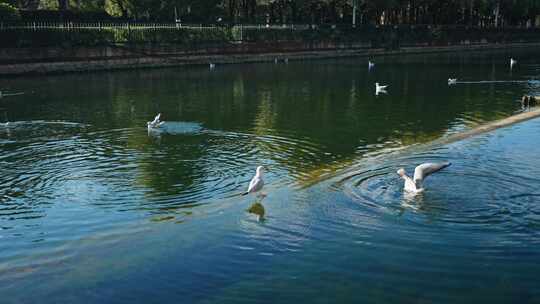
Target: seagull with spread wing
416, 184
156, 123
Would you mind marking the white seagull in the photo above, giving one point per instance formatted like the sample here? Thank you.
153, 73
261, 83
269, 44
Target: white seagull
256, 184
512, 62
156, 123
452, 81
415, 184
380, 88
370, 65
212, 66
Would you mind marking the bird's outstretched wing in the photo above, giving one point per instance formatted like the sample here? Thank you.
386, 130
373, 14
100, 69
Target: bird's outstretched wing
424, 170
156, 119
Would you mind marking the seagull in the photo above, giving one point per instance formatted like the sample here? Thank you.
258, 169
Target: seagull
212, 66
512, 62
370, 65
380, 88
275, 60
256, 184
156, 123
415, 184
452, 81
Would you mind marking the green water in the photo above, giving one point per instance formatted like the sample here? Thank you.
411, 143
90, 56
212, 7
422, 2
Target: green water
95, 209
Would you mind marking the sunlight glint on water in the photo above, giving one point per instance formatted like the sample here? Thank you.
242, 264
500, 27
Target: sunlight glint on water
95, 208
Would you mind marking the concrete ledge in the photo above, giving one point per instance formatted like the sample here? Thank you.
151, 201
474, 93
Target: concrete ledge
488, 127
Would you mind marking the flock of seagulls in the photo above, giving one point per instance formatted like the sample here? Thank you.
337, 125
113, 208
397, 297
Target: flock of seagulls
451, 81
412, 185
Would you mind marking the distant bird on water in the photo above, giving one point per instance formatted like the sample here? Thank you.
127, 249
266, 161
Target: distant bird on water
452, 81
380, 88
512, 62
415, 184
156, 123
371, 65
256, 184
212, 66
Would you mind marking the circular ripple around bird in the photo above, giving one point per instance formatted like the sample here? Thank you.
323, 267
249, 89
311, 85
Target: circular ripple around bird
470, 194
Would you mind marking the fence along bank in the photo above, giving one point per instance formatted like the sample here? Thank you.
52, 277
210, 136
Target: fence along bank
40, 47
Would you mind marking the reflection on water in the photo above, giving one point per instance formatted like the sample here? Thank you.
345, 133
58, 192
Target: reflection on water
93, 204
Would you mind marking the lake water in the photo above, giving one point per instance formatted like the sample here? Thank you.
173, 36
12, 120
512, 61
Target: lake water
94, 209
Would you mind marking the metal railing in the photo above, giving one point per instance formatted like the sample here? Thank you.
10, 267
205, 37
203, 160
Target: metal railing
142, 25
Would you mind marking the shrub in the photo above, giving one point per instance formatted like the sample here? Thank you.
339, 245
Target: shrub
8, 13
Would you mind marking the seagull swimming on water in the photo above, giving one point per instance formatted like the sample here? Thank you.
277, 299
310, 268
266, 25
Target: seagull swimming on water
370, 65
156, 123
212, 66
415, 184
512, 62
256, 184
452, 81
380, 88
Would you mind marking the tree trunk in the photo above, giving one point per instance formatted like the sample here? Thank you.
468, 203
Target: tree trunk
355, 3
497, 12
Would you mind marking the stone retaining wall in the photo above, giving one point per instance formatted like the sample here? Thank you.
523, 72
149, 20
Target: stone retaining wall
55, 60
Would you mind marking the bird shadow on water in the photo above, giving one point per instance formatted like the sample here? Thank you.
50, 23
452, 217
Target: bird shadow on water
257, 208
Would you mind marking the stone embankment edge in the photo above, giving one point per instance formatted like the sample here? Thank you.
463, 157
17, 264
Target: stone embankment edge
149, 61
491, 126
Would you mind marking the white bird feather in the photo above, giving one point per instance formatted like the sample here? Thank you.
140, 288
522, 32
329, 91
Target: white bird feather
256, 184
421, 172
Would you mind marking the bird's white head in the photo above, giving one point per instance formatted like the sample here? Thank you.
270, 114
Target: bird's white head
260, 170
401, 172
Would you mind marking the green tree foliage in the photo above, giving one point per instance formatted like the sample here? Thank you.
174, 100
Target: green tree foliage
482, 13
8, 13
